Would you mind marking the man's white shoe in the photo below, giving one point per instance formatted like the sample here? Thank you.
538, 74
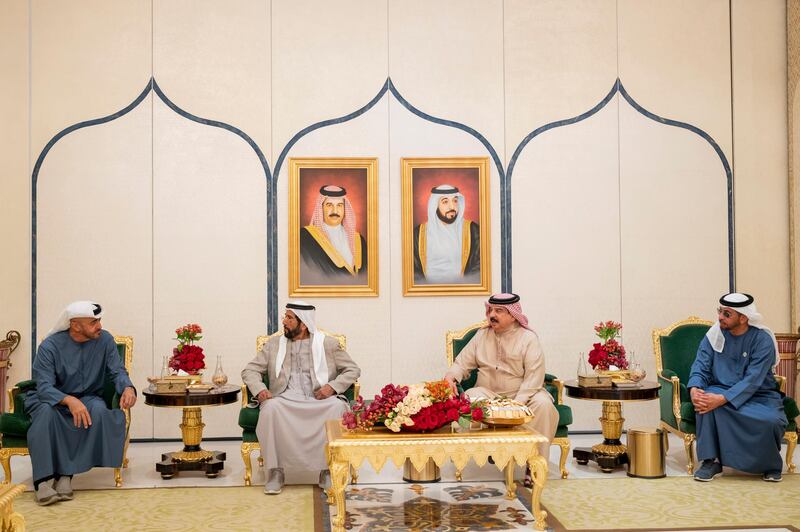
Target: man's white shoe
45, 494
64, 488
325, 479
274, 483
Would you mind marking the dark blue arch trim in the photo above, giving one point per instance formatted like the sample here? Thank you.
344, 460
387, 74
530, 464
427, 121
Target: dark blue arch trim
272, 223
618, 87
728, 175
35, 179
272, 297
505, 195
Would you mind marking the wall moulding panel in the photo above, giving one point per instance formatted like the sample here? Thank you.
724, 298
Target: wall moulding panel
617, 135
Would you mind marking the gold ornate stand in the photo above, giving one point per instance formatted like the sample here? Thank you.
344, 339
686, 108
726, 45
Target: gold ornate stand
611, 452
346, 450
192, 457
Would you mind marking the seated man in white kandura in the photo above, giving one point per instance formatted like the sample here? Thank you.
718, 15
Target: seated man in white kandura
308, 372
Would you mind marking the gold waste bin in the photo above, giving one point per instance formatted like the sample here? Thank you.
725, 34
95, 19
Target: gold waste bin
647, 450
430, 472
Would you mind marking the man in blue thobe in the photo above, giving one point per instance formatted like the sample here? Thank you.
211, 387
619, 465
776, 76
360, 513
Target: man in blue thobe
740, 417
72, 429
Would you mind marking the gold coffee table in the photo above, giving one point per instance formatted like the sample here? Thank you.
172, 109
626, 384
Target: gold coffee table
507, 446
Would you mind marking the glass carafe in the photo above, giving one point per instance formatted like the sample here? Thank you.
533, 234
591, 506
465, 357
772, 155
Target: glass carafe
219, 379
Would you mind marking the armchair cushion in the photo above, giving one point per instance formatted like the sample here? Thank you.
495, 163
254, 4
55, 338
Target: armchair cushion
15, 424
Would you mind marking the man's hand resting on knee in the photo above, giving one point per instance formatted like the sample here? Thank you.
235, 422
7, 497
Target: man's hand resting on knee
324, 392
128, 398
80, 415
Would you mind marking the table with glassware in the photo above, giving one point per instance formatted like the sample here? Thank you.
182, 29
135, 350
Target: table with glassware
507, 446
611, 453
192, 457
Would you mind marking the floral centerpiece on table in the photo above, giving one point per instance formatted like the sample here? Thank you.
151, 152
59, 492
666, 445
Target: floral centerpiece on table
416, 408
610, 354
186, 356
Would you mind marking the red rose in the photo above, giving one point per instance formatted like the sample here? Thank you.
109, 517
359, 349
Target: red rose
477, 414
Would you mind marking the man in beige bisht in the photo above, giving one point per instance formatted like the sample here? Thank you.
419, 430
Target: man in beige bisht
308, 372
510, 362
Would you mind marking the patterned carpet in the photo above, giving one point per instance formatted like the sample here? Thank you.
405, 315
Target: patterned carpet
174, 509
673, 503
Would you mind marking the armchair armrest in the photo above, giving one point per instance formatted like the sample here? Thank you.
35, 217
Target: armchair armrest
559, 384
670, 397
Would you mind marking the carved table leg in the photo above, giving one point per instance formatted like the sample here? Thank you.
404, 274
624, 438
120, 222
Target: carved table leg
339, 471
511, 486
538, 467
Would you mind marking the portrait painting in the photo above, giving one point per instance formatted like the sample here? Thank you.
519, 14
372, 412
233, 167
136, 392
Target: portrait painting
446, 226
333, 227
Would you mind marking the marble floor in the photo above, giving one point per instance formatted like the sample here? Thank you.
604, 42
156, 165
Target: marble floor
142, 457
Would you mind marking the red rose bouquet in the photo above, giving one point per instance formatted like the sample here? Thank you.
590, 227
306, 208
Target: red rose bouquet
415, 408
609, 355
187, 356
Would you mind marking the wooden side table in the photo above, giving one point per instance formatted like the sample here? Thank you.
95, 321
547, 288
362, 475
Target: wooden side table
611, 453
192, 457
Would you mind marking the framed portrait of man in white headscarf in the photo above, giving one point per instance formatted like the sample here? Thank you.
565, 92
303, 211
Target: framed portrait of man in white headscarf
446, 226
333, 227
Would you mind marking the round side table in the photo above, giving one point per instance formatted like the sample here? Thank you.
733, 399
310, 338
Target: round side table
611, 452
192, 457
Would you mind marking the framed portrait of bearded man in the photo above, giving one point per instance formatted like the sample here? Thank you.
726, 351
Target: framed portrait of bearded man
333, 227
446, 226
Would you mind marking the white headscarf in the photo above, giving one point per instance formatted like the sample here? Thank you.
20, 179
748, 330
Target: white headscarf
443, 240
305, 313
76, 309
743, 304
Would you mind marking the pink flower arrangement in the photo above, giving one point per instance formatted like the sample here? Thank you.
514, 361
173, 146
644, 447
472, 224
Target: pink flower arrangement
415, 408
610, 352
187, 356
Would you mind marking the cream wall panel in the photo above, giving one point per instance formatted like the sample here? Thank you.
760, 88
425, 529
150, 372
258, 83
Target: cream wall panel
93, 234
90, 59
445, 58
761, 164
328, 59
364, 320
567, 243
209, 251
674, 233
14, 184
560, 61
418, 324
674, 59
213, 60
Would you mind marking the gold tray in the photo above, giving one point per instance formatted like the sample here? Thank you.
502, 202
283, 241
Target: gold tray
506, 421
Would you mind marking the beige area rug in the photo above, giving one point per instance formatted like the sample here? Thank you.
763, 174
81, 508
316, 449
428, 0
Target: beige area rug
176, 510
672, 503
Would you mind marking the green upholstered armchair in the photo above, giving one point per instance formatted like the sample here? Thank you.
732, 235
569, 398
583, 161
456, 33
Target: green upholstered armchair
248, 417
457, 340
14, 424
675, 349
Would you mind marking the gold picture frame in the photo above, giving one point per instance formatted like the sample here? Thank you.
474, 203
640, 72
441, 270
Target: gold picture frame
330, 259
466, 268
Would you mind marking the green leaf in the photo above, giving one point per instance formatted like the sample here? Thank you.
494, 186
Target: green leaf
463, 421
